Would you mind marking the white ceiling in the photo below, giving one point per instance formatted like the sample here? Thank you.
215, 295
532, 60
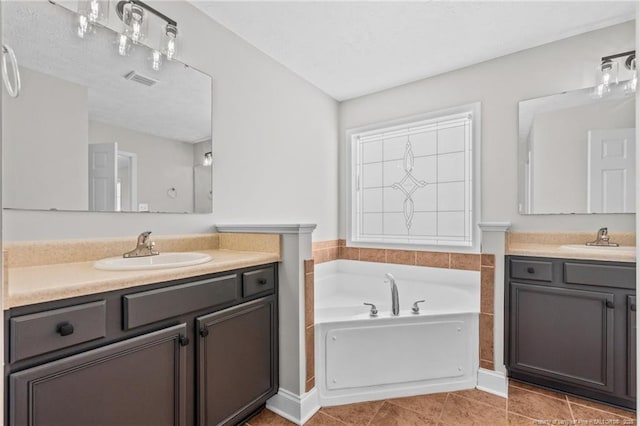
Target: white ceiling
349, 49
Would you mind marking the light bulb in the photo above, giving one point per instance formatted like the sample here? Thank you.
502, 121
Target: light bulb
632, 85
208, 159
169, 45
606, 76
83, 25
156, 60
135, 22
124, 45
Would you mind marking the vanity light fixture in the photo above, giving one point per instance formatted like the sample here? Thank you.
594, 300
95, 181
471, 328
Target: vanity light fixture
208, 159
607, 73
136, 15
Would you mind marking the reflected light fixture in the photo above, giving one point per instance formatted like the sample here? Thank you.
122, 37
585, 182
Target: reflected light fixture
136, 17
91, 12
607, 73
208, 159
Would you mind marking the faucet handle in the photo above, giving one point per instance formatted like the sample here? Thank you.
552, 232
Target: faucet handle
374, 310
416, 309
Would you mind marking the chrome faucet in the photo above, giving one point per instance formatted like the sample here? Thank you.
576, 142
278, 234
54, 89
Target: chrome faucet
395, 300
602, 239
144, 247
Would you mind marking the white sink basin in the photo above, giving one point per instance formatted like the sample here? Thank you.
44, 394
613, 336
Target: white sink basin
599, 249
161, 261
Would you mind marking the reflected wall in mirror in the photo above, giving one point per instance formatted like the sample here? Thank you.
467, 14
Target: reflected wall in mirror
576, 153
96, 131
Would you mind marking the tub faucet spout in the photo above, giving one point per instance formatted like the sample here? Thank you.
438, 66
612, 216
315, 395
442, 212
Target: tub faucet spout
395, 300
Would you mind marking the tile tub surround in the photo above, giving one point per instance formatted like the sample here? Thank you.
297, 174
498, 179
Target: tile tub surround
526, 405
326, 251
548, 244
309, 326
50, 270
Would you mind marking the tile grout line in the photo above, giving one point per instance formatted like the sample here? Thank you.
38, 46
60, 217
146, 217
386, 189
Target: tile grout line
330, 416
415, 411
376, 413
601, 410
573, 417
475, 400
444, 405
538, 393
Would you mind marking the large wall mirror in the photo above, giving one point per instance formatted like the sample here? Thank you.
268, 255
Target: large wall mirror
576, 153
96, 131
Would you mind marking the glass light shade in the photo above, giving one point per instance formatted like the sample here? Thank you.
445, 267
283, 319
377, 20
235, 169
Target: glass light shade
123, 44
169, 43
94, 10
606, 76
83, 26
156, 60
208, 159
135, 21
632, 85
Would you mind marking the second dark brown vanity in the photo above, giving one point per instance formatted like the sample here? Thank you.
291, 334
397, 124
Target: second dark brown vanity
570, 326
193, 351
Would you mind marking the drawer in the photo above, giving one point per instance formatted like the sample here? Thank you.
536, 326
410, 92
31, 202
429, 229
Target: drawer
261, 281
47, 331
155, 305
620, 276
538, 270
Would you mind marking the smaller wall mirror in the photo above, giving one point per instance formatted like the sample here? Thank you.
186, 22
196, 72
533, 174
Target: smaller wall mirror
576, 153
96, 131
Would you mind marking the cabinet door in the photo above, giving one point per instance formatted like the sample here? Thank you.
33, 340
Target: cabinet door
562, 334
237, 361
139, 381
631, 346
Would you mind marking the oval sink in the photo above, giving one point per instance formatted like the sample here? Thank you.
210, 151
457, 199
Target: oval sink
163, 260
600, 249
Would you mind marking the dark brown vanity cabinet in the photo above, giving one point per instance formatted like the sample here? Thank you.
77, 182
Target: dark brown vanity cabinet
139, 381
195, 351
569, 326
236, 360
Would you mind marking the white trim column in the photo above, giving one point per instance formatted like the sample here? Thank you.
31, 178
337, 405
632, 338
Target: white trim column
493, 242
291, 401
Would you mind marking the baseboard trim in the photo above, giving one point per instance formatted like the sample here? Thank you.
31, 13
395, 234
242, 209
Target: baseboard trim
493, 382
292, 407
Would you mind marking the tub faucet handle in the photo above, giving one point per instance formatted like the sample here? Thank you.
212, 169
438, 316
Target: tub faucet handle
416, 309
374, 310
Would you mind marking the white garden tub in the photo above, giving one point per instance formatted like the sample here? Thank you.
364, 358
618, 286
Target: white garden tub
362, 358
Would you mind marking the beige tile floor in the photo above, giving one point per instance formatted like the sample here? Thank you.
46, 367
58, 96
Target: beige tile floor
526, 405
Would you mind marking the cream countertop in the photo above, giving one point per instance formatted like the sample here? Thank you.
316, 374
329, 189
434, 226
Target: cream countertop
550, 245
36, 284
37, 272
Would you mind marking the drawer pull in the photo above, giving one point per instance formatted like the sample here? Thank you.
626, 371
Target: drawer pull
610, 304
262, 281
531, 270
65, 329
183, 340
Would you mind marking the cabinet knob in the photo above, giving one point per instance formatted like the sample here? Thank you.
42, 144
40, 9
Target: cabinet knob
183, 340
65, 329
610, 304
531, 270
204, 332
262, 281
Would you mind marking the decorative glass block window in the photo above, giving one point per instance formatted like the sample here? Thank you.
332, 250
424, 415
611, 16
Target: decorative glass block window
413, 183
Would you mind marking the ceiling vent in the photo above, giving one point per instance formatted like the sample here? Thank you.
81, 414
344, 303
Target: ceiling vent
142, 79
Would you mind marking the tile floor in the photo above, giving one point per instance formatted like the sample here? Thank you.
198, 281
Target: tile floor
526, 405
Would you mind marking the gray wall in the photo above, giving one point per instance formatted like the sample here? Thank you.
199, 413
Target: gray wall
45, 139
500, 84
275, 149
